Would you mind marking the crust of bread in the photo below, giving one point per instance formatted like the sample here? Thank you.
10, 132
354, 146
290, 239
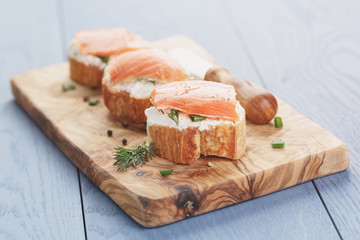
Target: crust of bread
88, 75
123, 106
224, 140
177, 146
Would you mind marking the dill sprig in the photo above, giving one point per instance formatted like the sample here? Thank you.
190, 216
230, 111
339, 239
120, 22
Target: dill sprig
174, 115
132, 157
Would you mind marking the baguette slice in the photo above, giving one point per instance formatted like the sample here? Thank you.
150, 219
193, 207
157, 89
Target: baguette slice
174, 145
224, 140
89, 75
90, 50
130, 78
122, 105
184, 143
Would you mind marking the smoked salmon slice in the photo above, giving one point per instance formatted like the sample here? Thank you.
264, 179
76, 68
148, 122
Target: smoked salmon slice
204, 98
149, 63
107, 42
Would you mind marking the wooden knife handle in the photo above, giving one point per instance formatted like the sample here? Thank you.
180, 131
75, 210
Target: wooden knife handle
260, 105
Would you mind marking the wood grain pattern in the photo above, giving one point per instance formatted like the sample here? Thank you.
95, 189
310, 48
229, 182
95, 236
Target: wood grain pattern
292, 214
34, 178
80, 132
311, 59
296, 213
39, 190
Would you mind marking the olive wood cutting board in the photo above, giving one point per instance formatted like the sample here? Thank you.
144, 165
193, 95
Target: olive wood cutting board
80, 131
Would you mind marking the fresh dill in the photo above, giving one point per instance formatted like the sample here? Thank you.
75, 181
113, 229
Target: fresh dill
174, 115
132, 157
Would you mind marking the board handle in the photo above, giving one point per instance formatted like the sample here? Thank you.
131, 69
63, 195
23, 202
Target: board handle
259, 104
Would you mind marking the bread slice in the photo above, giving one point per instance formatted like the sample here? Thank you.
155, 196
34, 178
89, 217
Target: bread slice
174, 145
87, 70
123, 106
184, 144
127, 100
88, 75
224, 140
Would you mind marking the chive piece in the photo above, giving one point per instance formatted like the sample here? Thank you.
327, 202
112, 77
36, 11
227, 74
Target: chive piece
278, 122
278, 143
144, 127
104, 59
68, 87
93, 101
196, 118
166, 172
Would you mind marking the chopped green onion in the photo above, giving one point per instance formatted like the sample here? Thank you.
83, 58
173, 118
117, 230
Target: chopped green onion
144, 127
166, 172
278, 143
278, 122
93, 101
196, 118
104, 59
68, 87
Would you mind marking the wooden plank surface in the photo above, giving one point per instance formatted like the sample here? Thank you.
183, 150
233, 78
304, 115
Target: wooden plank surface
154, 25
295, 213
39, 190
79, 130
301, 215
311, 59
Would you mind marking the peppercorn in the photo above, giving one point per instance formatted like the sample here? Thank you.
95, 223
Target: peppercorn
109, 133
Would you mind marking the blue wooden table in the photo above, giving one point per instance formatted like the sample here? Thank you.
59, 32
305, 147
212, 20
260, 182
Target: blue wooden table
307, 53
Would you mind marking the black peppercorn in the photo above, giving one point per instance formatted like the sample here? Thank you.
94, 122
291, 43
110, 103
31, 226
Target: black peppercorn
109, 133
